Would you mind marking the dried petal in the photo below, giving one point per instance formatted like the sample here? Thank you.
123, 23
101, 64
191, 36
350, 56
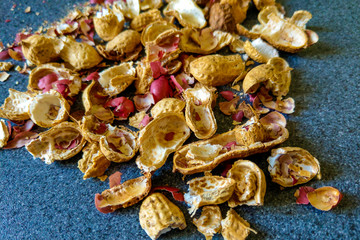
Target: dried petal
160, 89
115, 179
175, 192
301, 195
228, 95
144, 102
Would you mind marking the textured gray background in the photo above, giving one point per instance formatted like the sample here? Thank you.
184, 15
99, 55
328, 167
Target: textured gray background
38, 201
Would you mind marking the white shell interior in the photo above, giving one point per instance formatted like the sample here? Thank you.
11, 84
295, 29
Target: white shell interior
42, 106
189, 12
264, 48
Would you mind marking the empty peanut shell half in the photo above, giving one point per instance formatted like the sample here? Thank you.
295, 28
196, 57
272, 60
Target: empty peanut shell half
209, 223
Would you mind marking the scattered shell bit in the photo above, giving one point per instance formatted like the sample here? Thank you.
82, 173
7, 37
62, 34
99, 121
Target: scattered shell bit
16, 106
290, 166
234, 227
4, 133
209, 223
5, 66
250, 185
4, 76
208, 190
159, 215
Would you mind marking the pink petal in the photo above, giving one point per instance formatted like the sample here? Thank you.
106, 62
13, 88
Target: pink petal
230, 145
228, 95
123, 106
115, 102
252, 97
157, 69
302, 195
145, 121
92, 76
143, 102
238, 116
160, 89
115, 179
96, 1
4, 55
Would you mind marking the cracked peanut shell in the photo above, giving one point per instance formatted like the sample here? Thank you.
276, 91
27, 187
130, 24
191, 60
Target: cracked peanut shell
209, 223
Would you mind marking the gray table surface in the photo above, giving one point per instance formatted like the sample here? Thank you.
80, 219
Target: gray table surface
39, 201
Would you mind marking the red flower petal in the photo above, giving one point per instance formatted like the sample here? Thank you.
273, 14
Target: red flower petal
176, 84
100, 128
98, 199
96, 1
115, 179
157, 69
301, 194
160, 89
143, 102
21, 36
230, 145
176, 193
123, 106
228, 95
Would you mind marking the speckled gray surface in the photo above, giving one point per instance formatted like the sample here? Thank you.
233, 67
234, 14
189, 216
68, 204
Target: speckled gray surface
39, 201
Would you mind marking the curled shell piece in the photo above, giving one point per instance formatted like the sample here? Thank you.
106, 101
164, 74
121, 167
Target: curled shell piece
162, 136
198, 113
61, 142
156, 29
324, 198
240, 142
159, 215
16, 106
150, 4
124, 47
208, 190
108, 23
94, 98
221, 18
167, 105
250, 185
238, 9
144, 19
217, 70
4, 133
126, 194
234, 227
93, 162
72, 79
48, 109
130, 8
116, 79
290, 166
79, 55
275, 75
260, 51
119, 144
205, 41
209, 223
186, 12
39, 49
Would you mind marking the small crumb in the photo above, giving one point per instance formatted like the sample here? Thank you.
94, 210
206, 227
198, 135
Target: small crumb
37, 13
18, 68
103, 178
28, 9
5, 66
236, 87
4, 76
17, 83
7, 20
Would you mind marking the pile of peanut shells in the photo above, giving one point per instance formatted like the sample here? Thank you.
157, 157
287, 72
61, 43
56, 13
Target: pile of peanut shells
174, 59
